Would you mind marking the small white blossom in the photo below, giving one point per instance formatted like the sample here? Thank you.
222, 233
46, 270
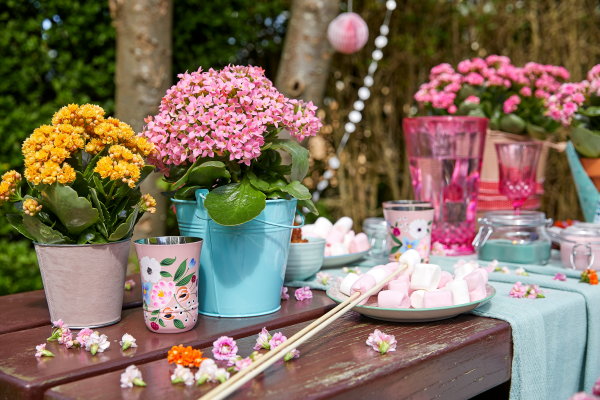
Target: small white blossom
127, 341
182, 375
221, 375
206, 372
132, 376
97, 343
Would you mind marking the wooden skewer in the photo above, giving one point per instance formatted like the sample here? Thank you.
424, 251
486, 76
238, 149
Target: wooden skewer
228, 387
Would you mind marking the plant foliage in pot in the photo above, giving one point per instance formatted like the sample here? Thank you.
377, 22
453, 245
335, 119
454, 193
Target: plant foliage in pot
217, 136
513, 98
79, 203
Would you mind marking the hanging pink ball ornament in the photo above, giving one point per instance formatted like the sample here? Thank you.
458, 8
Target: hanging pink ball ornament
348, 33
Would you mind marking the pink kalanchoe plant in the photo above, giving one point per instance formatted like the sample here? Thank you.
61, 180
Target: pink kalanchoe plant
218, 130
224, 348
262, 342
303, 293
513, 98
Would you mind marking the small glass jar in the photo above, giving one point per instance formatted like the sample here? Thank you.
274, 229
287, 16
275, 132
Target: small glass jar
376, 231
515, 238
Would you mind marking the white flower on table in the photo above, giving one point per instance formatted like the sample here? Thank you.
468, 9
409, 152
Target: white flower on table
132, 376
206, 372
182, 375
150, 269
221, 375
97, 343
127, 341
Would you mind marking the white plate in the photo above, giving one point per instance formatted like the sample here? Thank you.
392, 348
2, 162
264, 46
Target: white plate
345, 259
370, 309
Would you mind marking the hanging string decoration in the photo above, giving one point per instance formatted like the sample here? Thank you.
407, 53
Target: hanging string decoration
348, 33
364, 92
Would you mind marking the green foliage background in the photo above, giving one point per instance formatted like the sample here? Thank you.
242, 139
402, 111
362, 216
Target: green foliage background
56, 52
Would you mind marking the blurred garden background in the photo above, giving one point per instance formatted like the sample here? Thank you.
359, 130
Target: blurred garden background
56, 52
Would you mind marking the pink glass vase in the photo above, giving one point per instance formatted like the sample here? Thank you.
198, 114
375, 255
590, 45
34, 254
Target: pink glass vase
517, 167
445, 163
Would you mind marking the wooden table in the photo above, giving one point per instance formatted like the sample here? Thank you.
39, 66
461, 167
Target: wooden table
452, 359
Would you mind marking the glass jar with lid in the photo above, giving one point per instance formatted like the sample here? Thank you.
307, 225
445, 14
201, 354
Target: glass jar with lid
579, 245
376, 231
515, 238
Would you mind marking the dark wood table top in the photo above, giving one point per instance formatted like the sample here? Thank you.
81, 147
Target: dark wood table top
456, 358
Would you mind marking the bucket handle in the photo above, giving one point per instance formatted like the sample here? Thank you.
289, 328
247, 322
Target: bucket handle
202, 197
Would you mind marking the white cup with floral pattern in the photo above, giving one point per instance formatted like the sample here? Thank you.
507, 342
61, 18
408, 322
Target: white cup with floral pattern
408, 227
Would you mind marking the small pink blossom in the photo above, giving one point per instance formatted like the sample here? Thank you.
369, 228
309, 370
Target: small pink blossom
58, 324
518, 290
323, 278
521, 291
66, 337
224, 348
560, 277
262, 342
303, 293
284, 293
277, 339
40, 351
83, 336
290, 355
242, 363
511, 104
381, 342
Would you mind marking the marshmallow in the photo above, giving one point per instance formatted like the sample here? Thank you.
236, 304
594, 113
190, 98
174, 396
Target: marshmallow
410, 257
348, 238
347, 282
445, 277
461, 270
309, 231
476, 279
392, 299
478, 293
437, 298
460, 291
334, 237
425, 276
416, 298
322, 226
363, 284
399, 285
343, 225
379, 273
337, 249
359, 243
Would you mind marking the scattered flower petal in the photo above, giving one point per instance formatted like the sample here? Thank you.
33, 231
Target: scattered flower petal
186, 356
277, 339
262, 342
97, 343
284, 293
40, 351
83, 336
351, 270
182, 375
560, 277
589, 276
381, 342
224, 348
206, 372
129, 284
303, 293
520, 291
127, 341
221, 375
323, 278
242, 363
290, 355
132, 377
521, 271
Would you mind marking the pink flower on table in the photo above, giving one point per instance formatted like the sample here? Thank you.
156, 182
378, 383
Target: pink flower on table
129, 284
284, 293
290, 355
303, 293
242, 363
560, 277
83, 336
57, 330
262, 342
58, 324
277, 339
224, 348
323, 278
65, 337
40, 351
521, 291
518, 290
162, 292
381, 342
533, 292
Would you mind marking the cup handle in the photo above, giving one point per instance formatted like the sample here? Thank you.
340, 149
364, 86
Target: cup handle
590, 254
482, 236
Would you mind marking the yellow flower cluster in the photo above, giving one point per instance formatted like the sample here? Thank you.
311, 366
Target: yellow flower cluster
49, 148
148, 203
8, 185
31, 207
120, 164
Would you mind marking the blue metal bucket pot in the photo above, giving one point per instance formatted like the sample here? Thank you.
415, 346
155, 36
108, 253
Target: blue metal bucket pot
241, 267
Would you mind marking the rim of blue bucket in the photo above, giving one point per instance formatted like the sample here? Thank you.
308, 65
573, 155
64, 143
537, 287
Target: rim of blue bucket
174, 200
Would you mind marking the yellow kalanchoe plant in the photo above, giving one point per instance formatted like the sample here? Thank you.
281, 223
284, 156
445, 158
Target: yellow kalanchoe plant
83, 174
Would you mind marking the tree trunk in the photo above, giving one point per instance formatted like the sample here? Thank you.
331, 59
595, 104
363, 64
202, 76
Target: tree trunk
306, 56
143, 74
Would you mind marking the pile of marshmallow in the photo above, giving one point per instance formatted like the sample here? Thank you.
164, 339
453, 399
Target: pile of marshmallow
420, 285
339, 238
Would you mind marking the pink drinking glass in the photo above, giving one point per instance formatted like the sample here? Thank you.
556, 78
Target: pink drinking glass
445, 163
517, 167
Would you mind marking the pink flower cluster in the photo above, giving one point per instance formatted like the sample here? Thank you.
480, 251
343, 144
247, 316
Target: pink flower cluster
493, 72
225, 113
303, 293
521, 291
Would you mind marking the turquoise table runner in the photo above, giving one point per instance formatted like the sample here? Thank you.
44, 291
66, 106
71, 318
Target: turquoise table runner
556, 340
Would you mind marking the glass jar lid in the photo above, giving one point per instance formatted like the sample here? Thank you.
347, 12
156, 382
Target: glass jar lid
509, 218
374, 225
582, 230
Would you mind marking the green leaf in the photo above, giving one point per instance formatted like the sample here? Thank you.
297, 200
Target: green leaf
32, 228
126, 227
512, 123
310, 205
76, 213
155, 312
257, 183
396, 240
86, 237
165, 274
178, 324
103, 212
160, 321
207, 173
184, 281
99, 185
153, 318
167, 261
180, 270
297, 190
395, 249
586, 142
235, 204
299, 157
590, 111
187, 193
536, 131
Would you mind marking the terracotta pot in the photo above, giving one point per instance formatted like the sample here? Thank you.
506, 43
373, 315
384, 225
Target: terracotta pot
84, 283
489, 197
592, 167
